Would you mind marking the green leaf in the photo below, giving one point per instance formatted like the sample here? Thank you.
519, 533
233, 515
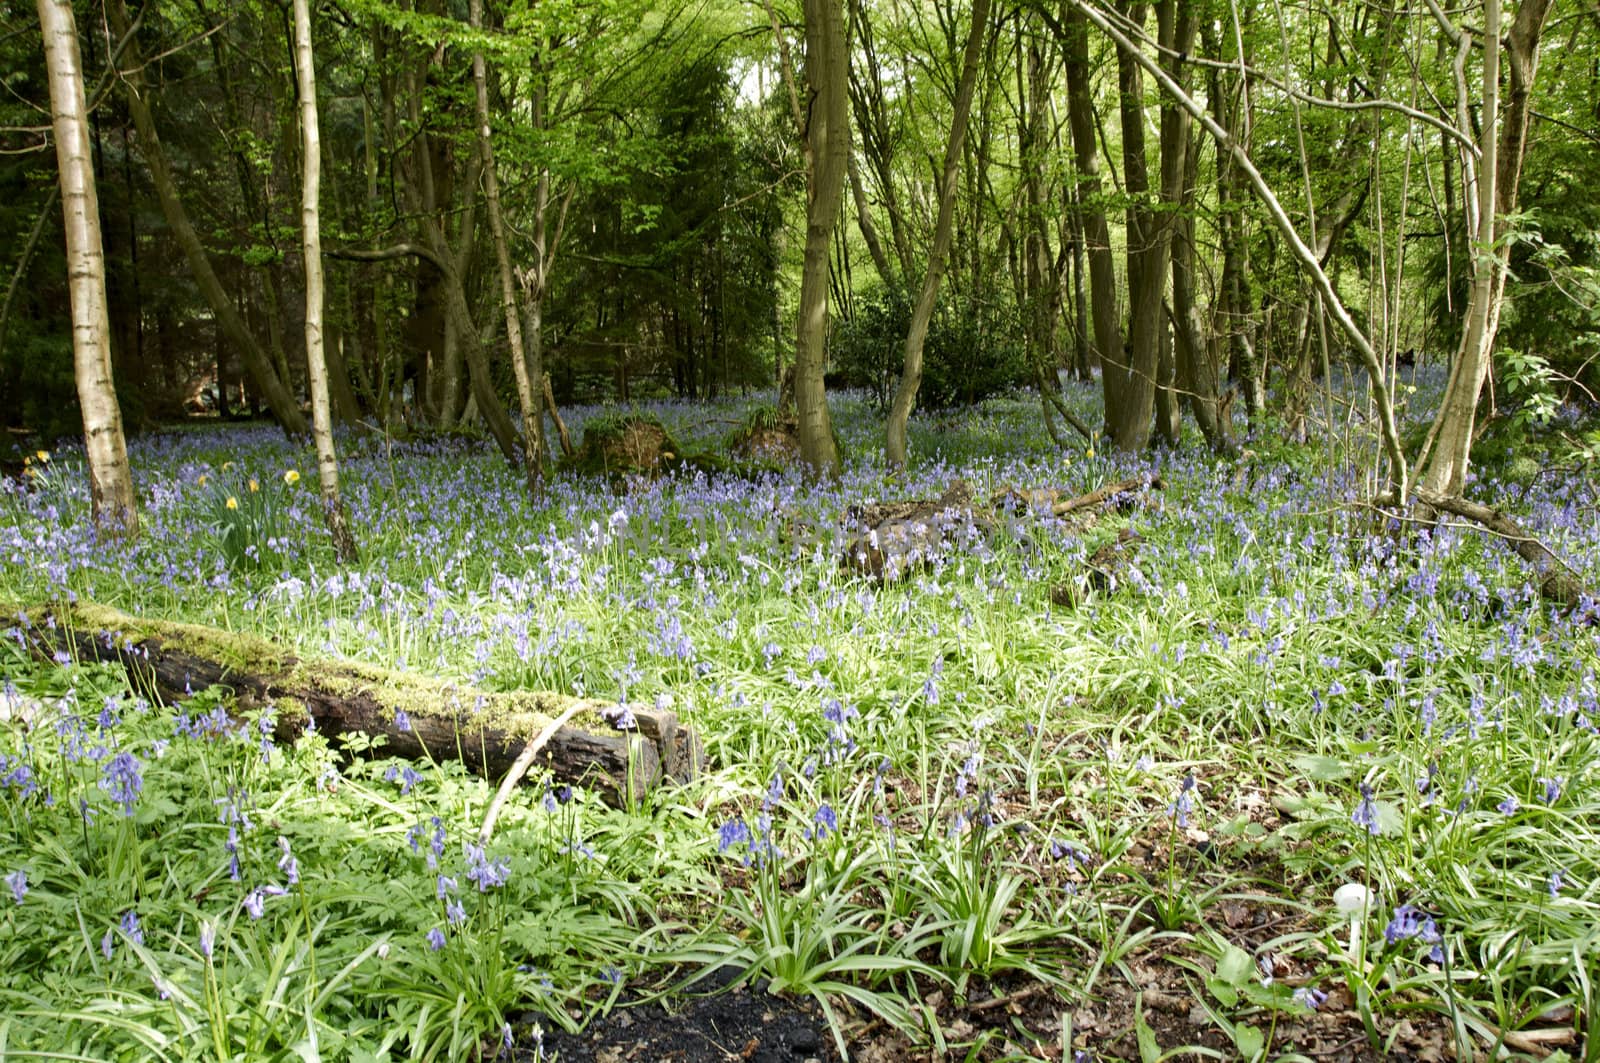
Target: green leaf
1248, 1040
1321, 769
1235, 967
1149, 1047
1225, 993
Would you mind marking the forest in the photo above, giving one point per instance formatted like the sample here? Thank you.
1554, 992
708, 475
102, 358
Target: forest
801, 530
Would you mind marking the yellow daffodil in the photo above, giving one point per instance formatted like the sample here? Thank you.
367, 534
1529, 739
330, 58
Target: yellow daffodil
227, 465
202, 481
42, 455
232, 503
291, 477
254, 487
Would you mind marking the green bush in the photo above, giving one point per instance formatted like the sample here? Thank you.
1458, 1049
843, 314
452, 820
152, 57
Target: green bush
972, 351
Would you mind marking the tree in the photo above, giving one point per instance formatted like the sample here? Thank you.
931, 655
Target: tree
110, 478
905, 397
1490, 184
827, 138
333, 509
529, 387
272, 387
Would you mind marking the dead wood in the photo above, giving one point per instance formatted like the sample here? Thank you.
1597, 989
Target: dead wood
1557, 582
1107, 569
1109, 493
888, 540
418, 716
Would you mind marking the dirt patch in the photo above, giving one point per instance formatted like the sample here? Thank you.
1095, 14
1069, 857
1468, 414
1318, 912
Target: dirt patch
745, 1023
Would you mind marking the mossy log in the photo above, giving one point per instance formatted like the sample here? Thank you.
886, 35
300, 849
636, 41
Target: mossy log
442, 720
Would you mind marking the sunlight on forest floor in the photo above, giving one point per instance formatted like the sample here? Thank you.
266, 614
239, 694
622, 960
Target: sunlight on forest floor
948, 812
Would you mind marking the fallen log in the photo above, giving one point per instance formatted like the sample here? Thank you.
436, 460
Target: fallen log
889, 540
1557, 582
419, 716
1108, 493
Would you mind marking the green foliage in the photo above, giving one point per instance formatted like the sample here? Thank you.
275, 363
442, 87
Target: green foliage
971, 352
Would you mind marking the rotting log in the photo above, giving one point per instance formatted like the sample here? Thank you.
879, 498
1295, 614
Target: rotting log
418, 716
889, 540
1557, 582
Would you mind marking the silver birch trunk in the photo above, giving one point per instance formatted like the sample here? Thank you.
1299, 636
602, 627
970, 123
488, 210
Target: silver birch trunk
110, 479
1502, 143
344, 544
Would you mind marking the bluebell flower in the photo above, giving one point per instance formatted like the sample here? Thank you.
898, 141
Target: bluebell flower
1309, 997
612, 974
18, 881
1552, 789
826, 820
402, 721
121, 779
108, 943
1366, 812
208, 938
734, 832
1410, 922
130, 927
287, 863
1183, 804
255, 902
484, 872
454, 912
435, 939
1509, 806
1558, 878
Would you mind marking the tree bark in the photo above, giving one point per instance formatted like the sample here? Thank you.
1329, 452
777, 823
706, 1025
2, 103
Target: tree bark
272, 387
333, 508
110, 478
528, 401
1502, 144
905, 397
1107, 330
827, 143
1399, 471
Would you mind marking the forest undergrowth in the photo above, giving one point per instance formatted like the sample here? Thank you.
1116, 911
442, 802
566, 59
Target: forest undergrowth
1302, 761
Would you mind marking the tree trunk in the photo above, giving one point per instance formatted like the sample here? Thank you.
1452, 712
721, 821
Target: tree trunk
1502, 143
333, 509
827, 143
1107, 330
905, 396
110, 478
528, 401
272, 387
1398, 470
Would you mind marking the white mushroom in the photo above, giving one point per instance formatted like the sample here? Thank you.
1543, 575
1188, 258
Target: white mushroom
1353, 901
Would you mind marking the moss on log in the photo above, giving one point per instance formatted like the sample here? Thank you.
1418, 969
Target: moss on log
418, 715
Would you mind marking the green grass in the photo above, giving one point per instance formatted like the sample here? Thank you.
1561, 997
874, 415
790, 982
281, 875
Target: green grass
1003, 779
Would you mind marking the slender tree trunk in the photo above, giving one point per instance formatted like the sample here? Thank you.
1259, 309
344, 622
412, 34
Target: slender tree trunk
333, 509
1303, 254
1107, 330
827, 142
905, 397
110, 478
528, 400
1502, 143
272, 387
